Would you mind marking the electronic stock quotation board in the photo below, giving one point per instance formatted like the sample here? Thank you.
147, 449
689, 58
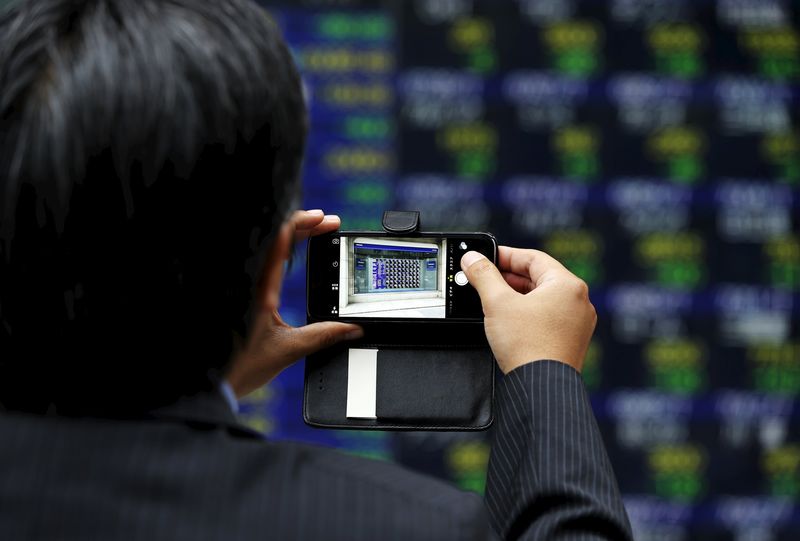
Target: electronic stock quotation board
653, 146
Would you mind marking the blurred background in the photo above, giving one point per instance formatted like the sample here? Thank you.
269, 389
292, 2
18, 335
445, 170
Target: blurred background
653, 146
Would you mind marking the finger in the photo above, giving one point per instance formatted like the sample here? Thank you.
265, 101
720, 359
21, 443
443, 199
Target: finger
306, 219
484, 276
329, 223
537, 265
520, 284
316, 336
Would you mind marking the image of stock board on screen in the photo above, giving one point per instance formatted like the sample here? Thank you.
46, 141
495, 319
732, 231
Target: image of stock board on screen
363, 275
392, 278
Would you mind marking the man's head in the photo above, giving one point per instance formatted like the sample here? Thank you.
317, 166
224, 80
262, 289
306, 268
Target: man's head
149, 152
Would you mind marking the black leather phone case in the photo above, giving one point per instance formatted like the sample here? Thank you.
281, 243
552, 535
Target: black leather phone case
430, 376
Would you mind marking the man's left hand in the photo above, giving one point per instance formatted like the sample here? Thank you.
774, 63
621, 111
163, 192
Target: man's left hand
273, 344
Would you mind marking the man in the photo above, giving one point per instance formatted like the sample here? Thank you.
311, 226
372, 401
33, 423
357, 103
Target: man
149, 153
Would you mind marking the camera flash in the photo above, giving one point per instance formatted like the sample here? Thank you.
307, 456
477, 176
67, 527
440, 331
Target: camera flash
463, 245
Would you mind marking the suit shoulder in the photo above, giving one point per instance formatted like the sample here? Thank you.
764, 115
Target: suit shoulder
373, 486
381, 475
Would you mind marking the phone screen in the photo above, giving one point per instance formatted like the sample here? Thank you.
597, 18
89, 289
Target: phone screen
371, 275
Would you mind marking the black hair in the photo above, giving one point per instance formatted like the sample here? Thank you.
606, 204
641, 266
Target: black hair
149, 152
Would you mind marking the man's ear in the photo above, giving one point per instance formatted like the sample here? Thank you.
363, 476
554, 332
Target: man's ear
272, 274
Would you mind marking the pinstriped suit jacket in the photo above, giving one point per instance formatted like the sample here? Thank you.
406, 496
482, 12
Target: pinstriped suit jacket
191, 472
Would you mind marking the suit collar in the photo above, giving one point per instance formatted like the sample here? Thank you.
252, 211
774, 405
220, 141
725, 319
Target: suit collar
206, 408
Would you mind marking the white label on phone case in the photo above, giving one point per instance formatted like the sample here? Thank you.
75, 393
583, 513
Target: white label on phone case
362, 376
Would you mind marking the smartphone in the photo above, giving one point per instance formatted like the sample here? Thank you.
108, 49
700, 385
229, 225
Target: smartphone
358, 276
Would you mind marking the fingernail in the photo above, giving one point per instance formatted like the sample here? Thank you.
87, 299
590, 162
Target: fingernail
315, 211
355, 334
331, 218
469, 258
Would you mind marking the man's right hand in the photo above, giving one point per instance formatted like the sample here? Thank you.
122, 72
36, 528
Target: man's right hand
534, 308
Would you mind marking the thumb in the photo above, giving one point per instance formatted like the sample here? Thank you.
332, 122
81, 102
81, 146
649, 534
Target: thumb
316, 336
483, 276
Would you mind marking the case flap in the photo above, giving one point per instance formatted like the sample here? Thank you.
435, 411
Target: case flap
401, 222
449, 386
425, 388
